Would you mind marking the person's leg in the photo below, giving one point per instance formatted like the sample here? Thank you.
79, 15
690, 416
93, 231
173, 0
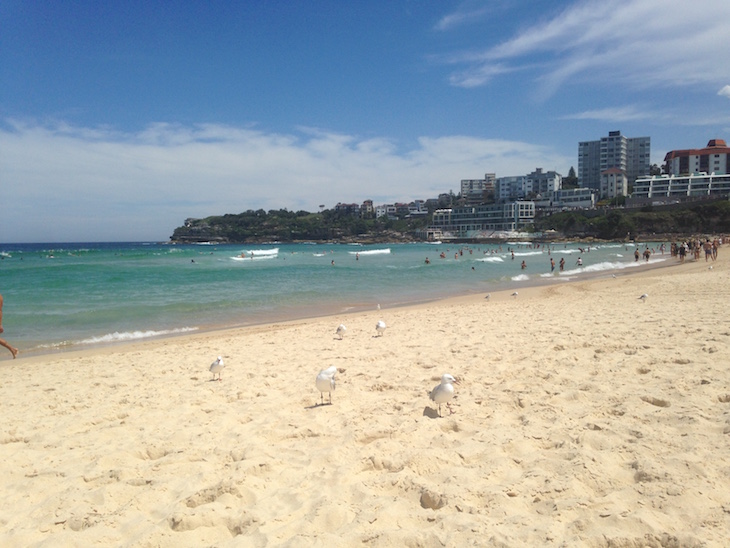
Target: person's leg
13, 350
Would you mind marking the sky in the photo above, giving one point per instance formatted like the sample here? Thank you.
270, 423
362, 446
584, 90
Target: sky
119, 120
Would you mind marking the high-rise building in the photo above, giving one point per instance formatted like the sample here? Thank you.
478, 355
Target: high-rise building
631, 155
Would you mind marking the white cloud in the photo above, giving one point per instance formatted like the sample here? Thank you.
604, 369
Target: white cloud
641, 43
725, 91
73, 183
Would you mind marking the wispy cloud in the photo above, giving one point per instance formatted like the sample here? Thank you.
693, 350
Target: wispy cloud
467, 13
725, 92
616, 114
641, 43
77, 183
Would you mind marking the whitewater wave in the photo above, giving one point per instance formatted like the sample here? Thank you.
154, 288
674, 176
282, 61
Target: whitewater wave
520, 278
527, 253
257, 254
491, 260
371, 252
122, 337
608, 266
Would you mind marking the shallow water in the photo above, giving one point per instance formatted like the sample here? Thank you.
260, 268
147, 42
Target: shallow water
61, 296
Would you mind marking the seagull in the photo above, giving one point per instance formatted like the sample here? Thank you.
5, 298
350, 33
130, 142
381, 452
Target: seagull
341, 330
216, 367
444, 391
378, 306
326, 382
489, 295
514, 294
644, 297
380, 327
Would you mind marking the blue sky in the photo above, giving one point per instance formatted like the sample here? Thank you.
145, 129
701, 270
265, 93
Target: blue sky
118, 120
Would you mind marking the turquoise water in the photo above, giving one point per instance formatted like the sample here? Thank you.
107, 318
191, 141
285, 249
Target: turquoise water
61, 296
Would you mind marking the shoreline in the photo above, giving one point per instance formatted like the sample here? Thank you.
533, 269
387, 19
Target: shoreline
343, 308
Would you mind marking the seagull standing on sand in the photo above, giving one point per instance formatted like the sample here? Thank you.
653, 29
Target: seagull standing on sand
216, 367
644, 297
326, 382
443, 392
380, 327
489, 295
341, 330
514, 294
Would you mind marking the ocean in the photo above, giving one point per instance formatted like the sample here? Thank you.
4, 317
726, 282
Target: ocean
72, 296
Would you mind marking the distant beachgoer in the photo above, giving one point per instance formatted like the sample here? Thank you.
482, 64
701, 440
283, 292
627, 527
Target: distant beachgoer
636, 255
513, 255
708, 250
3, 342
552, 265
647, 254
562, 264
579, 262
524, 265
333, 262
427, 261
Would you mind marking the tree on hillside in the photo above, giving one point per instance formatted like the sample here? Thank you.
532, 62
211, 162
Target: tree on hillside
571, 181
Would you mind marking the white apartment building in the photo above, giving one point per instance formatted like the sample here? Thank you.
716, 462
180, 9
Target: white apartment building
479, 221
669, 188
543, 182
511, 188
714, 158
614, 183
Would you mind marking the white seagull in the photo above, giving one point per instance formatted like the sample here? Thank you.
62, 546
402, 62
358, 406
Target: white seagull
341, 330
644, 297
216, 367
514, 294
380, 327
326, 382
489, 295
443, 392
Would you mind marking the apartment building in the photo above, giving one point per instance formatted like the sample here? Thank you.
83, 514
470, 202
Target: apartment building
474, 190
614, 183
714, 158
480, 221
671, 189
632, 155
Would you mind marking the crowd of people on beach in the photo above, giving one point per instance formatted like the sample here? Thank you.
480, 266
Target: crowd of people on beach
694, 248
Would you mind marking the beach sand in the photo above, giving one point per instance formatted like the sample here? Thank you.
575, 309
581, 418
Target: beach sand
583, 417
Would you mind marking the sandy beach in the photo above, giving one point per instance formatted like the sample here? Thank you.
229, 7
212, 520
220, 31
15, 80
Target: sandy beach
583, 417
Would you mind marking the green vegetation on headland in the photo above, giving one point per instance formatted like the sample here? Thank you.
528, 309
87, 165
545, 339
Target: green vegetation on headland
669, 222
301, 226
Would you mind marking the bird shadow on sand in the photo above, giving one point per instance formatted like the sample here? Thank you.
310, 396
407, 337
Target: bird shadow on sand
431, 413
318, 405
